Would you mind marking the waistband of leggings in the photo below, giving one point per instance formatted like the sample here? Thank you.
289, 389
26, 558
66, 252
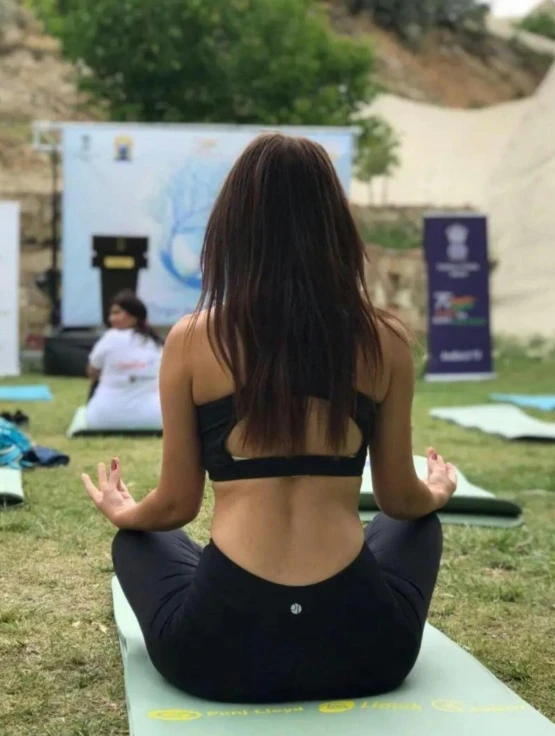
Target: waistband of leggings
219, 575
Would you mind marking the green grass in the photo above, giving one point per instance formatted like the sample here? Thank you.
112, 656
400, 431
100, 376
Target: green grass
60, 672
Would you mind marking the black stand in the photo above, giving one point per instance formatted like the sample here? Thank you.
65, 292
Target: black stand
49, 281
119, 260
54, 275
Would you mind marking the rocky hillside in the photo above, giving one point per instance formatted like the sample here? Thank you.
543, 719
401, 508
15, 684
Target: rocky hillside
462, 71
35, 84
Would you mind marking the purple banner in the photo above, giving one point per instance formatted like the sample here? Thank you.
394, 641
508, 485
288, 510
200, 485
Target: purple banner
459, 336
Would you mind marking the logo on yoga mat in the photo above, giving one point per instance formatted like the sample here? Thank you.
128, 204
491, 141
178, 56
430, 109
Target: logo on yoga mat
341, 706
175, 715
449, 706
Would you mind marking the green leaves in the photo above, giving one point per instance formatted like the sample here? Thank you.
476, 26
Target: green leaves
377, 150
542, 23
267, 62
234, 61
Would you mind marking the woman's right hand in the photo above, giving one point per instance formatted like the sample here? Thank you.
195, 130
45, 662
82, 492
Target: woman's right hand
442, 478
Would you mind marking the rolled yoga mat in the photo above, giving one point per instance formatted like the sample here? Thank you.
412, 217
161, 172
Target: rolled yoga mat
469, 505
541, 403
504, 420
25, 393
11, 488
448, 692
79, 428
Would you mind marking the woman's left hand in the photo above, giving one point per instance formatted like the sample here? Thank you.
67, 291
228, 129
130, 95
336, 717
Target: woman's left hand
111, 497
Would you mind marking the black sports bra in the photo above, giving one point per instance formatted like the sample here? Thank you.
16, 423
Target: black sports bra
216, 419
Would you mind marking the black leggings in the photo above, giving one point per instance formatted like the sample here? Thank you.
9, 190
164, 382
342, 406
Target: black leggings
216, 631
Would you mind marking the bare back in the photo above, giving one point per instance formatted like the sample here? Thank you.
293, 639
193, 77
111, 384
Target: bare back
290, 530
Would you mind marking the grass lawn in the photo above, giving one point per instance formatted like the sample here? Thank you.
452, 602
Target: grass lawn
60, 673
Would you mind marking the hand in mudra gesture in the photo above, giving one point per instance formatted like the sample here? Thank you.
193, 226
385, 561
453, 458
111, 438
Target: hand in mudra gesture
442, 477
110, 496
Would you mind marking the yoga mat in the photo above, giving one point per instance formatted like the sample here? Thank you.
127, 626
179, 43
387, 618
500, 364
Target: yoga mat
79, 428
448, 692
470, 504
25, 393
11, 488
503, 420
542, 403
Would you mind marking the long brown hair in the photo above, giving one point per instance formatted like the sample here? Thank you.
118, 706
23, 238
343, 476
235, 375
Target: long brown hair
283, 285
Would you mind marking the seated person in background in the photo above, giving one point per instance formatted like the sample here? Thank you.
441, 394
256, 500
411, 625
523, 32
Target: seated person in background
124, 364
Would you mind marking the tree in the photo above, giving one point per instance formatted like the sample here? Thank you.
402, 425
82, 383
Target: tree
377, 153
231, 61
51, 12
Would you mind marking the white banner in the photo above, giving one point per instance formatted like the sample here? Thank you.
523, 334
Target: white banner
9, 288
155, 184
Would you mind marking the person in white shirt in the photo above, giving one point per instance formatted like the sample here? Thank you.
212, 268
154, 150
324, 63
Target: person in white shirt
124, 366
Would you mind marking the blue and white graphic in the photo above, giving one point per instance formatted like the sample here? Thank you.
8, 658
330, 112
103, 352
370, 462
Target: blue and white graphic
182, 208
163, 189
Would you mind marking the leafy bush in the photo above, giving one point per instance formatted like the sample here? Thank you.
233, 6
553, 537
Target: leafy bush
378, 150
268, 62
234, 61
404, 232
543, 24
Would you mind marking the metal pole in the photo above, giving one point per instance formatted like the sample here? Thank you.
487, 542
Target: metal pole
54, 315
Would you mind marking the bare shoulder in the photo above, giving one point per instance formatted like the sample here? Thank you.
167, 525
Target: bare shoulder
396, 343
182, 345
189, 332
395, 339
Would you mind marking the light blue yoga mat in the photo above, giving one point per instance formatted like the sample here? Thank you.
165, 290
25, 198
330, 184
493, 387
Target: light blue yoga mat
542, 403
449, 693
11, 488
504, 420
25, 393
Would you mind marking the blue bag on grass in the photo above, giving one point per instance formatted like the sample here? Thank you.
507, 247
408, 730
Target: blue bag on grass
14, 446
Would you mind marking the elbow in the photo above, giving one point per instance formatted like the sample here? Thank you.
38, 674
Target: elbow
179, 515
177, 508
186, 517
401, 506
397, 511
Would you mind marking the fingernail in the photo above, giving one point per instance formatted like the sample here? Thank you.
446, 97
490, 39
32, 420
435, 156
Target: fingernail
434, 455
114, 464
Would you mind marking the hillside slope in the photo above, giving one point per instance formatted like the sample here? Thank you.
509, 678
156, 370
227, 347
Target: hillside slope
463, 70
35, 84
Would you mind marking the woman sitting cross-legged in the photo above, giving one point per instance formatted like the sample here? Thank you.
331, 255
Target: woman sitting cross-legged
124, 368
277, 387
